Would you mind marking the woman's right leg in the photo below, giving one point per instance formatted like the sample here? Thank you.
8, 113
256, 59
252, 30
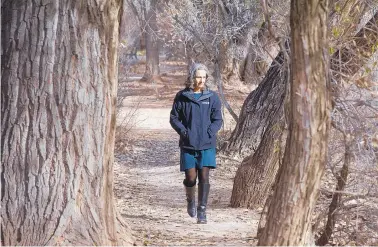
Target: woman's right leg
190, 188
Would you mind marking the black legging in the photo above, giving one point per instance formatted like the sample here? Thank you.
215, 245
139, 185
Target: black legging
191, 176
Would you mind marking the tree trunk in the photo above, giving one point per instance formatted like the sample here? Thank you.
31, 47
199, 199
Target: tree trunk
256, 174
152, 44
289, 214
58, 98
336, 197
228, 61
255, 63
252, 183
257, 112
225, 60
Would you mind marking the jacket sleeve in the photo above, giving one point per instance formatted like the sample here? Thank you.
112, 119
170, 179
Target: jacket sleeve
175, 119
215, 117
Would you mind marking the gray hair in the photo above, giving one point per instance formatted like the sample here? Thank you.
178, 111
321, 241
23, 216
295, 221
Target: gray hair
192, 73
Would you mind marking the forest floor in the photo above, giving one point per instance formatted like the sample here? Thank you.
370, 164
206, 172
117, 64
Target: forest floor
148, 183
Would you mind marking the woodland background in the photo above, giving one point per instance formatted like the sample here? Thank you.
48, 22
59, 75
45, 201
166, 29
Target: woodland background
298, 81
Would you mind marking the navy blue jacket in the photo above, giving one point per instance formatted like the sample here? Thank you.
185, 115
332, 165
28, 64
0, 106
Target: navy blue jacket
196, 121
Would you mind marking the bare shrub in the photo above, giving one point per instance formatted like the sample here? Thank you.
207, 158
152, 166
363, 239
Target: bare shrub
127, 120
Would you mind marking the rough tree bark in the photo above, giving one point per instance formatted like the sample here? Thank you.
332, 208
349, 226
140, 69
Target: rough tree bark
58, 98
152, 44
257, 172
289, 214
264, 45
230, 47
257, 112
228, 63
255, 65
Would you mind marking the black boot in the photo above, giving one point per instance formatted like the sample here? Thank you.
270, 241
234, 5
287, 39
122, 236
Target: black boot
191, 199
203, 193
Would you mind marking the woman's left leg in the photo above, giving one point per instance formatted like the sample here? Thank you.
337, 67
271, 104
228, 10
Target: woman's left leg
203, 193
203, 175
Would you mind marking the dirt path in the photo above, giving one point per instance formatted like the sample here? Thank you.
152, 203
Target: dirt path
151, 195
148, 183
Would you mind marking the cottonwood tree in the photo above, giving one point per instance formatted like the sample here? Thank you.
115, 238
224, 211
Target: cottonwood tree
262, 54
255, 176
294, 198
152, 43
356, 52
146, 13
58, 101
264, 45
236, 22
261, 51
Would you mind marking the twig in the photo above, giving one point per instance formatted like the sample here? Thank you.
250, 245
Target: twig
191, 29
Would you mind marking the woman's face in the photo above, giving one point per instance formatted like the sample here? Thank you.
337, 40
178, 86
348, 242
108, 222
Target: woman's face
199, 79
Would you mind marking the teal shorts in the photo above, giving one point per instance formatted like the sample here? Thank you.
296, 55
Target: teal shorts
197, 158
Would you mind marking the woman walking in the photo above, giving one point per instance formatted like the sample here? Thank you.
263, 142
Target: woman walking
196, 116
